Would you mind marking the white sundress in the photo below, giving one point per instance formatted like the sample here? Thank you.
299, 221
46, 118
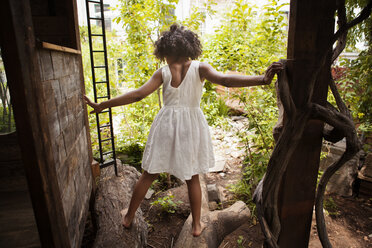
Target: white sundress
179, 141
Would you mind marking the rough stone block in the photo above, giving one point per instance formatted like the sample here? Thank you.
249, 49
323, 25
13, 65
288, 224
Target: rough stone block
69, 135
56, 91
58, 64
366, 171
63, 117
61, 149
53, 123
68, 198
341, 182
65, 86
46, 66
213, 193
63, 174
72, 220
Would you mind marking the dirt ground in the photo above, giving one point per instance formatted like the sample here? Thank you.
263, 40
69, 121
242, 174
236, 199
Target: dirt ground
349, 225
348, 220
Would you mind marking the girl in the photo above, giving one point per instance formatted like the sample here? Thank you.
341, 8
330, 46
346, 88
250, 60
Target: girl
179, 141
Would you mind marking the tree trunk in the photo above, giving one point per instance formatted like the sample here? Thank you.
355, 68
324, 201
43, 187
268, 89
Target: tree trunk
113, 195
311, 28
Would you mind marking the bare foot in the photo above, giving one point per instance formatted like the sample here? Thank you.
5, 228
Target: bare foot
126, 220
197, 228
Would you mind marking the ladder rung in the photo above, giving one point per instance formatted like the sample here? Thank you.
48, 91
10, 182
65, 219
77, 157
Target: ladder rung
100, 97
96, 34
106, 111
91, 1
103, 165
101, 82
95, 18
105, 153
98, 51
103, 126
104, 140
99, 66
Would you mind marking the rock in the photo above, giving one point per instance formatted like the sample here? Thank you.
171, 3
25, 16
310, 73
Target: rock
218, 224
222, 191
341, 182
213, 193
218, 166
222, 174
366, 171
149, 193
212, 205
235, 154
237, 118
113, 195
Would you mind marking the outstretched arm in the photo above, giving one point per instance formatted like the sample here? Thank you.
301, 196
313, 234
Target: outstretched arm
133, 96
206, 71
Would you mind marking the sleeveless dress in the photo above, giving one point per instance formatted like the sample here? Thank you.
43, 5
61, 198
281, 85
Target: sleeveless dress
179, 141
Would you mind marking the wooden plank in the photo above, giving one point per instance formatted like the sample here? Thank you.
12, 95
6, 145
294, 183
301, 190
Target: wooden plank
23, 72
59, 48
15, 198
311, 26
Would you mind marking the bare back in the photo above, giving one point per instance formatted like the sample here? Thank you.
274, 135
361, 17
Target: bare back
178, 70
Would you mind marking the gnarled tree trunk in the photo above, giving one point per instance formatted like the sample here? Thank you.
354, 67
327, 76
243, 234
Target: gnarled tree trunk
285, 196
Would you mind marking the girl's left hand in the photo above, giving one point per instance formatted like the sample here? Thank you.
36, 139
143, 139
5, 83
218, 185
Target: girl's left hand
273, 69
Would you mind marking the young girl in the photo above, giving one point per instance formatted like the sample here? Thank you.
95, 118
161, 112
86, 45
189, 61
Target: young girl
179, 141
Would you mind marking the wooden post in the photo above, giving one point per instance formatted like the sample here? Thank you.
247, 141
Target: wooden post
311, 26
18, 50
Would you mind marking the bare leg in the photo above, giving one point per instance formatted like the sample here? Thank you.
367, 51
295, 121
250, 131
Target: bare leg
139, 193
195, 197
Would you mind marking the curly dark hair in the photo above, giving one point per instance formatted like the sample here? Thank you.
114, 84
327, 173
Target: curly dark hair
178, 42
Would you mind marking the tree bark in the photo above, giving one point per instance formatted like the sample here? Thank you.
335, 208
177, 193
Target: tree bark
218, 224
311, 28
113, 195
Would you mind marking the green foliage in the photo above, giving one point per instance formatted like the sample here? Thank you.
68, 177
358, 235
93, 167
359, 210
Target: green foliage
248, 43
240, 241
362, 31
167, 204
198, 16
7, 123
330, 206
245, 41
356, 85
213, 106
356, 89
131, 153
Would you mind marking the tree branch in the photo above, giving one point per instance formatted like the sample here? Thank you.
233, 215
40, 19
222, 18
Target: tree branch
284, 91
344, 124
341, 42
361, 17
340, 104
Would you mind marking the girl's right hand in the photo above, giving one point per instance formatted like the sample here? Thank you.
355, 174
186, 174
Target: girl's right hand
273, 69
97, 107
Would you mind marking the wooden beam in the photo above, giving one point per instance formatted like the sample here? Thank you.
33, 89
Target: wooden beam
310, 29
23, 73
55, 47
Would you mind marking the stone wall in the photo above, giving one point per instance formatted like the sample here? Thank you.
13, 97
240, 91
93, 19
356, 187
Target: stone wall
62, 85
